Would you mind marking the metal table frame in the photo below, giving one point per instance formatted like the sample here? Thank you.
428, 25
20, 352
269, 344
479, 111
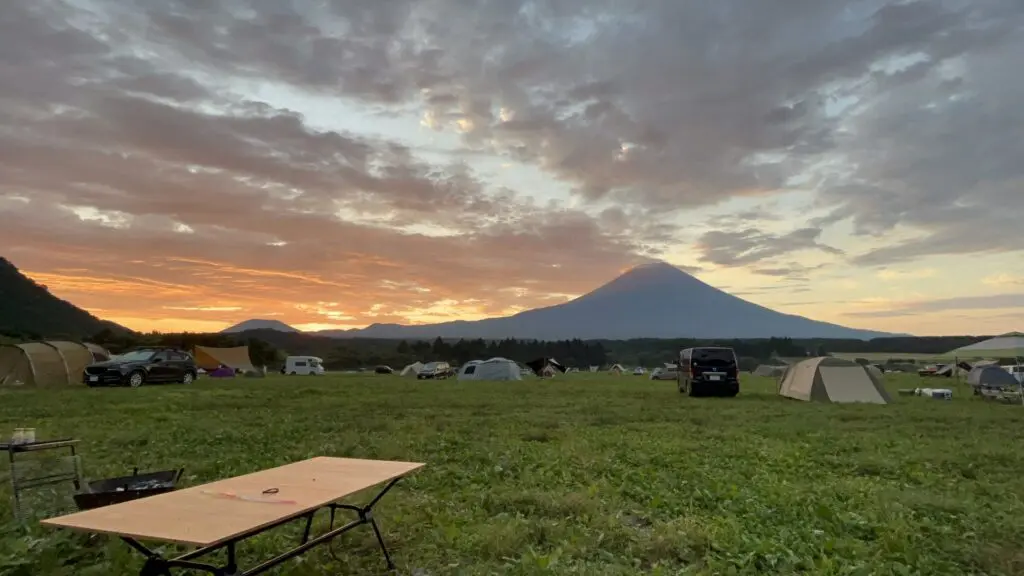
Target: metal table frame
18, 485
157, 565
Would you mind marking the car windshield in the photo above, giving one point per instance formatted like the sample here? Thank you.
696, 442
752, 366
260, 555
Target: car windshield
713, 357
137, 356
430, 366
314, 362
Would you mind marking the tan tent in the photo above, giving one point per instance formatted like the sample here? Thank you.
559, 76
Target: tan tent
210, 359
412, 369
56, 363
766, 371
829, 379
616, 369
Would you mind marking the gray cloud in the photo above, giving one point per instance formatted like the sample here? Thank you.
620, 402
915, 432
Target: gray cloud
752, 245
994, 302
659, 106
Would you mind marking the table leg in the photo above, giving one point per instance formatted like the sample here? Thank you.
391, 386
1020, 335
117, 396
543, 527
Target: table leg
14, 486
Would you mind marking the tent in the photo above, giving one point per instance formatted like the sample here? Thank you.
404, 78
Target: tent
53, 363
767, 371
616, 369
545, 366
1006, 346
958, 369
594, 368
991, 377
412, 369
829, 379
210, 359
495, 369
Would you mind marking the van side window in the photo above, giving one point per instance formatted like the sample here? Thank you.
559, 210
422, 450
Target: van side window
300, 362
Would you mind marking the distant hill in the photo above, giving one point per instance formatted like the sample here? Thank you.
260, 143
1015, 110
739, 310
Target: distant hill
29, 310
257, 324
650, 301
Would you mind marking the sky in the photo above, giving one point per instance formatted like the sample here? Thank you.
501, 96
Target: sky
185, 165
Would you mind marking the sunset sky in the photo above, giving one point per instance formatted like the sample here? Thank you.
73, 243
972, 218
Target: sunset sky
185, 165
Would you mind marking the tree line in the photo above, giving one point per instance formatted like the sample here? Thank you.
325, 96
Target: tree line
269, 347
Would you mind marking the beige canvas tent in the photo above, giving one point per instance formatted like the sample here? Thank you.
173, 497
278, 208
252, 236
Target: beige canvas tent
766, 371
829, 379
616, 369
210, 359
412, 369
54, 363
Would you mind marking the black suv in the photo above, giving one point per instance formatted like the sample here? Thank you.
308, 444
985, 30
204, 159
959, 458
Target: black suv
144, 366
708, 372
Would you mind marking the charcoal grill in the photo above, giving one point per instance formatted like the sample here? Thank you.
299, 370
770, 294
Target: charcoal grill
110, 491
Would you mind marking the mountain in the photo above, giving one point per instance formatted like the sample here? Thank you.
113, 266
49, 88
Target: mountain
650, 301
257, 324
28, 309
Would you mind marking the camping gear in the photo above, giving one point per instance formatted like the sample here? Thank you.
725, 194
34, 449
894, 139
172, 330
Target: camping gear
110, 491
191, 516
829, 379
936, 393
211, 359
23, 479
51, 363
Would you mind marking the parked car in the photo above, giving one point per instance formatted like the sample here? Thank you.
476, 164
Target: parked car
709, 371
303, 366
639, 371
664, 374
435, 371
143, 366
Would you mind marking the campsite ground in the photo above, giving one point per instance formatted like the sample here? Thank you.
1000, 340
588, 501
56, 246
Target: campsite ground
584, 474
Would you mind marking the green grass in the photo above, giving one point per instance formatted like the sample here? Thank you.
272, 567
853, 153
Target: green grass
585, 474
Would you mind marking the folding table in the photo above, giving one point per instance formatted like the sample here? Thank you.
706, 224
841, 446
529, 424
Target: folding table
219, 515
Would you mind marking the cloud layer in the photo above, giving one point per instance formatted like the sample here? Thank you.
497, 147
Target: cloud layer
173, 151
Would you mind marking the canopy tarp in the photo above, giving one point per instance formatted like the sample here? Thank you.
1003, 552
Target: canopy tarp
210, 359
1005, 346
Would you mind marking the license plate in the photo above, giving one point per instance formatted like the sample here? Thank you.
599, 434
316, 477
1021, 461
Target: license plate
714, 377
94, 378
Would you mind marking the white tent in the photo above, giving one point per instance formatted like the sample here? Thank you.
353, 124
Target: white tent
495, 369
412, 369
616, 369
467, 371
594, 368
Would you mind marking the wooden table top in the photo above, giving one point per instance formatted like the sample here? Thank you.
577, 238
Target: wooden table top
226, 509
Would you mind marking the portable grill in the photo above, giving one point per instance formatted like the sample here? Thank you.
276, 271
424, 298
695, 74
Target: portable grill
109, 491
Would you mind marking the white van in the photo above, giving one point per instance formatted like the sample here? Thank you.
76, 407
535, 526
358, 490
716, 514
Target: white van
303, 365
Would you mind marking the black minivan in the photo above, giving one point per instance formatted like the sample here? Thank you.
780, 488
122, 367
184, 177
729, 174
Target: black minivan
710, 371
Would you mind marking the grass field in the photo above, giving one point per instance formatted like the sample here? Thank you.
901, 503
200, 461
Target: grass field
586, 474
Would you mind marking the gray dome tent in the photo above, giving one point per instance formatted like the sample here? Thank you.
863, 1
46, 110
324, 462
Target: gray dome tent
991, 377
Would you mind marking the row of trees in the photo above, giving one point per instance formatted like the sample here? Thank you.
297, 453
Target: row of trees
268, 347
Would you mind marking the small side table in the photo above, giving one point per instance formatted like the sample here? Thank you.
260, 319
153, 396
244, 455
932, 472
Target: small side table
21, 482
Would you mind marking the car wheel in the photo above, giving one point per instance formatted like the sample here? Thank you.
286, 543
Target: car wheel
136, 379
292, 373
188, 378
